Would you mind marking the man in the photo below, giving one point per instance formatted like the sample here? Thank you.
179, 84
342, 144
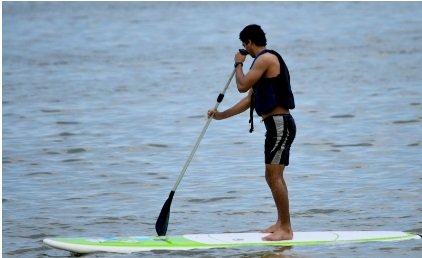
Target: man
268, 86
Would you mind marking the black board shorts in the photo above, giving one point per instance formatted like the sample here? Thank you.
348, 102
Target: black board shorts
281, 131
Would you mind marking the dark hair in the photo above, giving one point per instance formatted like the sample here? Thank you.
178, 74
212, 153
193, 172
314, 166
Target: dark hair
253, 33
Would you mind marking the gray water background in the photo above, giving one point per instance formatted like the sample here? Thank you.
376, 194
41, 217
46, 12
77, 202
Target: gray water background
102, 103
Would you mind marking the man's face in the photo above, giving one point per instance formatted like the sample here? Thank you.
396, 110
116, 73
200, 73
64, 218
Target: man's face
247, 46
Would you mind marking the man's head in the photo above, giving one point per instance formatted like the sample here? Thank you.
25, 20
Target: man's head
253, 33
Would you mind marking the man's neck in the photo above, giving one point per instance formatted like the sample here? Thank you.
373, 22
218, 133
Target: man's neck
256, 50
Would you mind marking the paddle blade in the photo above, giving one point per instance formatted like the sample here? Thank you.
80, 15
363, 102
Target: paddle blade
163, 219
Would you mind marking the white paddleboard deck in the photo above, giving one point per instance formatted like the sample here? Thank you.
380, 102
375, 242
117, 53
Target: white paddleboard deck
204, 241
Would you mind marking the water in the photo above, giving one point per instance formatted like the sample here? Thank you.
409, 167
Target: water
102, 103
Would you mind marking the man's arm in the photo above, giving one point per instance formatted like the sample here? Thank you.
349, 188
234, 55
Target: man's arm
238, 108
245, 82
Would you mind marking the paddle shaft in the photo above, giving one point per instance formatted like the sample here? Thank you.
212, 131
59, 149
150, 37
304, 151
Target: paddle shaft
201, 135
163, 218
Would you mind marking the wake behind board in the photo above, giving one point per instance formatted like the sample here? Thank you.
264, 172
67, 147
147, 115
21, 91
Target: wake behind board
204, 241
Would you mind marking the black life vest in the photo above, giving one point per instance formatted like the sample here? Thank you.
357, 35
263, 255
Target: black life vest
268, 93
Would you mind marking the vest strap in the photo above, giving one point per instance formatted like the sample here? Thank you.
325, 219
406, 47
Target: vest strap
251, 109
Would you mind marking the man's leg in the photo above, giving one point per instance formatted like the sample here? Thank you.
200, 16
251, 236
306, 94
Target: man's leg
282, 230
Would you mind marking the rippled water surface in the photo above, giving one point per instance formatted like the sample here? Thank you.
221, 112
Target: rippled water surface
102, 103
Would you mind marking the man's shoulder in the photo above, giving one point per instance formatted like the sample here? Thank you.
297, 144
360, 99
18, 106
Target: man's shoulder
273, 53
268, 58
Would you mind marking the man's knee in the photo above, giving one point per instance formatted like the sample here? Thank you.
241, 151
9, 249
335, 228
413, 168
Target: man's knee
273, 172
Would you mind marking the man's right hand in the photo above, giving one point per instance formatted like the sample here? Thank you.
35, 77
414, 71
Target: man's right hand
214, 114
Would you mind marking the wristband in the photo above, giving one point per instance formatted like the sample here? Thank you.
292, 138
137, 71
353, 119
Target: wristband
238, 63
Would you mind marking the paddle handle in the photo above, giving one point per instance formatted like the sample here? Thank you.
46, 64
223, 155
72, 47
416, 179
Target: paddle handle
201, 135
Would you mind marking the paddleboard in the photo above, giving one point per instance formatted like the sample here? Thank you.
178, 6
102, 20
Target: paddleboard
82, 245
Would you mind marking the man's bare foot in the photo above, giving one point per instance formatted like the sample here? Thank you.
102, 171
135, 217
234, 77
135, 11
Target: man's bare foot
271, 229
279, 235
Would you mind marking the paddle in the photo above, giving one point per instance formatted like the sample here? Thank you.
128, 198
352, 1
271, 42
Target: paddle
163, 219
